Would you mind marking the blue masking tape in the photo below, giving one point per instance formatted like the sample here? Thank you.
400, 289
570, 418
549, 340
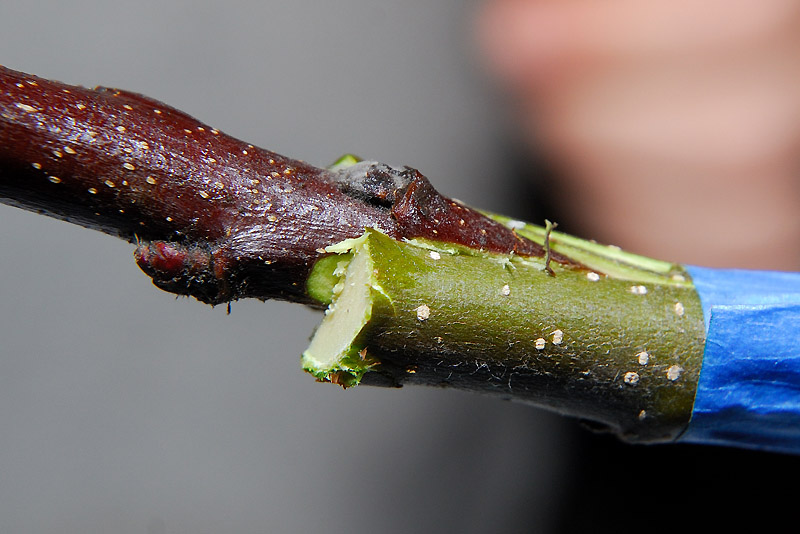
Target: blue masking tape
748, 394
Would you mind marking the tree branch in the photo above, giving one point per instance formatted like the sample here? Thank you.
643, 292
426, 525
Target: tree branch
420, 288
213, 217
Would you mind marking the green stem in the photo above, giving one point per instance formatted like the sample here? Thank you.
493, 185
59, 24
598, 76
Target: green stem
624, 352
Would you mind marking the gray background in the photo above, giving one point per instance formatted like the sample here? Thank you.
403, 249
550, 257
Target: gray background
125, 410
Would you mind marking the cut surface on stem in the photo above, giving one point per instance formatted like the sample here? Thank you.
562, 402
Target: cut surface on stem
334, 354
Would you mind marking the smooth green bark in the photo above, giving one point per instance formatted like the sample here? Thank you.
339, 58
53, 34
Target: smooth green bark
621, 347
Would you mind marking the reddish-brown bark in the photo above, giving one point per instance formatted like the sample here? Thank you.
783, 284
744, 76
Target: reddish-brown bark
213, 217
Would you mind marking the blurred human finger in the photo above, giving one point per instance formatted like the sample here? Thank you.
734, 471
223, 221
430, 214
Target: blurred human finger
525, 39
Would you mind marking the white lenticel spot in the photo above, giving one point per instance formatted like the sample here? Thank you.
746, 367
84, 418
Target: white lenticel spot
129, 166
435, 255
631, 378
37, 166
244, 152
643, 357
272, 218
157, 111
54, 179
674, 372
69, 150
423, 312
58, 154
26, 108
109, 183
642, 415
203, 194
679, 309
638, 290
92, 191
150, 180
80, 107
558, 337
120, 129
540, 343
215, 132
506, 290
593, 277
169, 219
